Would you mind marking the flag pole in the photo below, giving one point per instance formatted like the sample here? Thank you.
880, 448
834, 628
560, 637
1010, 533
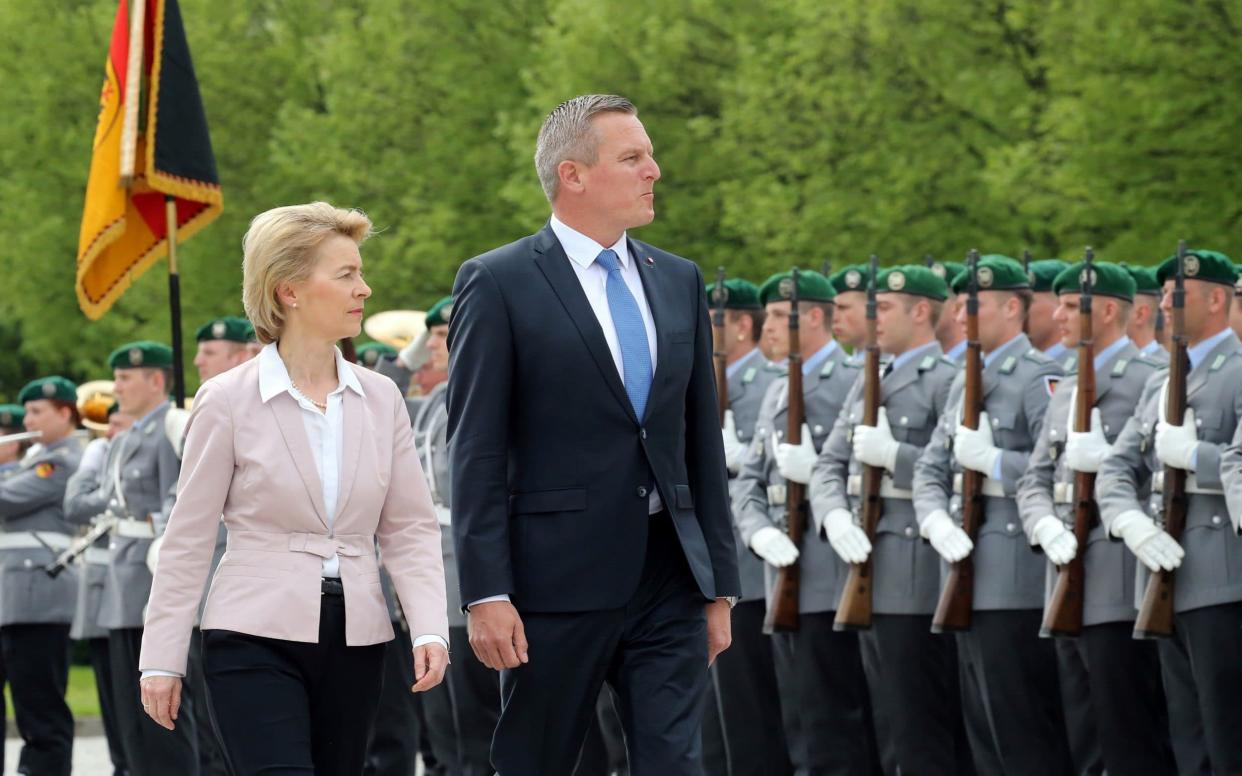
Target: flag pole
133, 86
174, 300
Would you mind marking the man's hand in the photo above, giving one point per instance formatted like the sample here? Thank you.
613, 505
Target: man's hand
161, 699
719, 628
430, 662
496, 635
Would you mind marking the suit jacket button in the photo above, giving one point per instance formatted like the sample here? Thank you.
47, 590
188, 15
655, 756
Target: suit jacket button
641, 491
642, 433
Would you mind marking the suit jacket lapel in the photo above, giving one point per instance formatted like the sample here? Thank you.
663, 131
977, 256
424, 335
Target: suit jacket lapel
654, 288
554, 264
353, 419
289, 421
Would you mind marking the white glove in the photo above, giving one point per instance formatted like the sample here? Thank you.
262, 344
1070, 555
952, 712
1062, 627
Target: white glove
773, 546
795, 461
973, 447
734, 450
1176, 445
415, 354
1149, 543
946, 536
94, 454
849, 541
874, 445
1058, 542
1086, 450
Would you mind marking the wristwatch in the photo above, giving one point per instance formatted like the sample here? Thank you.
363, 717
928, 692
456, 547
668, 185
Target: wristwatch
732, 599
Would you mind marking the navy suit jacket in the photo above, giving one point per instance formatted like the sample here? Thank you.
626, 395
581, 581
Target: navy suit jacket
551, 468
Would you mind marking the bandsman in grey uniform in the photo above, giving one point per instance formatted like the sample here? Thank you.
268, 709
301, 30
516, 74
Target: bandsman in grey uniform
11, 416
849, 318
1119, 699
1010, 702
1041, 329
35, 608
1208, 590
1142, 327
909, 669
743, 686
143, 471
949, 331
823, 693
91, 565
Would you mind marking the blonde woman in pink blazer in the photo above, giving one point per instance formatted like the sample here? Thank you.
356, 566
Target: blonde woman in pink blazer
311, 463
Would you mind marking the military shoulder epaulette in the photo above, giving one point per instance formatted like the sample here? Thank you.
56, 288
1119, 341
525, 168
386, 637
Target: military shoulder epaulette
1218, 362
1036, 356
1009, 365
779, 369
749, 375
1071, 363
927, 363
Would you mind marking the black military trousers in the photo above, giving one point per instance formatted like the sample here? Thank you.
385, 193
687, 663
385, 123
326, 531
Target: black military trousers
292, 707
1011, 701
36, 658
97, 648
1080, 716
393, 747
1212, 638
911, 672
1185, 721
653, 652
748, 700
824, 701
150, 750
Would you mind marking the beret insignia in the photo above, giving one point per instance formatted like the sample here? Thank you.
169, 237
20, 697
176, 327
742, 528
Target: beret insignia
853, 278
720, 294
985, 277
1082, 277
49, 390
135, 356
938, 268
896, 281
1191, 265
446, 311
6, 419
786, 288
219, 329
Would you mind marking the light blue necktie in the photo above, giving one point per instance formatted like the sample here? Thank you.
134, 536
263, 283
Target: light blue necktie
631, 333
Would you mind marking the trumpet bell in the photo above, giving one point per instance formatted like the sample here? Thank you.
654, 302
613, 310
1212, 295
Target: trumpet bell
395, 327
95, 398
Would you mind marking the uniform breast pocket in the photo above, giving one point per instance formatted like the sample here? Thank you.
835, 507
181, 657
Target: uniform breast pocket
1005, 431
911, 425
1208, 423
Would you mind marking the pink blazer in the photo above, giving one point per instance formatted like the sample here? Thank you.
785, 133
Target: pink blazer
251, 462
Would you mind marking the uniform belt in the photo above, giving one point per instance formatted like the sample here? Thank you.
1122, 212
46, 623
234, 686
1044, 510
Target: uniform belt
1192, 485
990, 487
853, 487
128, 528
27, 541
331, 586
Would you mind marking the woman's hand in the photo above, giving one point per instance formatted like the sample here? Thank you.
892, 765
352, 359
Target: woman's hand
161, 699
430, 662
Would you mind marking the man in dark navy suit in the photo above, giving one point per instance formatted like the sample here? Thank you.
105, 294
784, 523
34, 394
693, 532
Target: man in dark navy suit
591, 512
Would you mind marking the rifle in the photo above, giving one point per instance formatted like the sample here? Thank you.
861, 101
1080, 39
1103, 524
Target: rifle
958, 596
825, 269
720, 359
854, 610
100, 526
1063, 616
1155, 616
929, 260
782, 615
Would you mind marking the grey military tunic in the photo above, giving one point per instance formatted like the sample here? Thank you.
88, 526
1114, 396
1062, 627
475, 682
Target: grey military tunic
86, 496
1211, 571
1046, 488
746, 390
1016, 389
32, 500
906, 569
757, 498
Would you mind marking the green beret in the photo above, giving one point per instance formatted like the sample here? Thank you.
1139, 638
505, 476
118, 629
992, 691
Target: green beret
812, 287
230, 328
739, 295
1144, 279
440, 312
144, 353
1108, 279
371, 353
55, 387
996, 273
12, 415
851, 278
1209, 266
913, 279
1045, 272
947, 270
1237, 286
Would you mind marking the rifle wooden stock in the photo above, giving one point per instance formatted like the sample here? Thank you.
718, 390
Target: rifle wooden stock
957, 598
854, 609
1063, 615
1155, 615
720, 358
783, 612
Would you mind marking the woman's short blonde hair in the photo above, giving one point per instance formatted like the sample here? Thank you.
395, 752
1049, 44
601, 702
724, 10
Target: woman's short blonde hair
280, 247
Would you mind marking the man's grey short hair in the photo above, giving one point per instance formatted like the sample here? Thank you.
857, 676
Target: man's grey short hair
567, 133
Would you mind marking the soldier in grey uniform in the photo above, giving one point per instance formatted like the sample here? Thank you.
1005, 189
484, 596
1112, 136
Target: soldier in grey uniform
849, 321
1011, 705
743, 702
35, 608
144, 471
910, 670
1142, 326
86, 487
824, 700
1042, 330
949, 332
1208, 590
1121, 701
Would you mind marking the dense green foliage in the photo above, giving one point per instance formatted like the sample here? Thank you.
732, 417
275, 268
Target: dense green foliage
788, 131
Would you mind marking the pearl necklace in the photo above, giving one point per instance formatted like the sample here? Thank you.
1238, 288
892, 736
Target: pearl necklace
322, 405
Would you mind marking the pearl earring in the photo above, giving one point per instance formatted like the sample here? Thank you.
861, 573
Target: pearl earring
740, 338
294, 305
